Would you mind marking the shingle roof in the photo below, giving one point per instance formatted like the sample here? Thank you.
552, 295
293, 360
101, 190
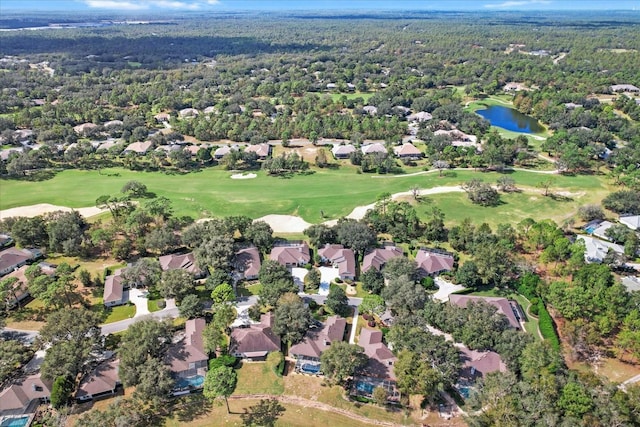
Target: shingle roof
338, 255
433, 262
291, 254
376, 147
248, 261
190, 349
318, 340
180, 261
102, 379
502, 304
632, 221
381, 359
483, 362
256, 339
407, 149
113, 287
379, 257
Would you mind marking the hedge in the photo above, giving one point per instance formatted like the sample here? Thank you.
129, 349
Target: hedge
547, 327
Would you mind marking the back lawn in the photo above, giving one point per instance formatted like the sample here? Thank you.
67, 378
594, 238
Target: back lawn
257, 378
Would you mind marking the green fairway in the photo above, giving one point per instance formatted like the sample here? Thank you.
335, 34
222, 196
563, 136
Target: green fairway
211, 192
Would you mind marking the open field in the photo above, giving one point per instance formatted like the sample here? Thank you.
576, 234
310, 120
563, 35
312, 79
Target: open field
211, 192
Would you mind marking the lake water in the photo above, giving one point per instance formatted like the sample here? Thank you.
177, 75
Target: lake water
510, 119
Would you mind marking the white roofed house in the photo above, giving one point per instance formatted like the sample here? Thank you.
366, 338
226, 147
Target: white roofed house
624, 88
262, 150
85, 128
421, 116
139, 147
376, 147
631, 221
188, 112
596, 250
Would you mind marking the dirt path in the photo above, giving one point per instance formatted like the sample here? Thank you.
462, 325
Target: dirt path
307, 403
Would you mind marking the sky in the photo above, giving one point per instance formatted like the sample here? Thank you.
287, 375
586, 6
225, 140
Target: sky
284, 5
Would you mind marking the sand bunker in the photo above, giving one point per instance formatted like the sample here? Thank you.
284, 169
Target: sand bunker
43, 208
285, 223
243, 176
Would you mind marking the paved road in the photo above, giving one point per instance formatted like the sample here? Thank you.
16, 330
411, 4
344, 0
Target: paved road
23, 335
111, 328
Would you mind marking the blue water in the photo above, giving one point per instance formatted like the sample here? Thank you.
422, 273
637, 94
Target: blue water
312, 369
196, 381
464, 392
510, 119
15, 422
590, 229
365, 387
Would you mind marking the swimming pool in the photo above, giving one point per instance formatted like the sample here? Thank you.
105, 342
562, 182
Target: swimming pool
194, 382
15, 422
590, 229
309, 368
464, 392
365, 387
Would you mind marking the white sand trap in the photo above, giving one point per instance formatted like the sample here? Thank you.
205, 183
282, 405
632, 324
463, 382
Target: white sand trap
285, 223
243, 176
43, 208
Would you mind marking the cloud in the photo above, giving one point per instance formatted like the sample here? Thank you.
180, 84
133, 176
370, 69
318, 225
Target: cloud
150, 4
516, 3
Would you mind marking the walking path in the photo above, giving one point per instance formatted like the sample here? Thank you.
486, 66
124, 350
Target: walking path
352, 337
308, 403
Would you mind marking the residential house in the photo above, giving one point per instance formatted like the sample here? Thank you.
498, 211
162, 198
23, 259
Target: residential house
102, 381
5, 240
624, 88
113, 123
432, 262
188, 113
370, 110
632, 283
5, 154
85, 128
220, 152
319, 339
342, 151
247, 263
381, 359
515, 87
188, 357
332, 86
601, 230
20, 289
401, 109
255, 341
139, 147
596, 250
421, 116
376, 147
631, 221
114, 292
378, 257
182, 261
106, 145
407, 151
162, 117
572, 105
262, 150
479, 363
14, 258
341, 258
291, 254
211, 110
509, 308
23, 396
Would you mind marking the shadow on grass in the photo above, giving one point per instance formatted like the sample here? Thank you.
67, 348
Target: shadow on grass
188, 408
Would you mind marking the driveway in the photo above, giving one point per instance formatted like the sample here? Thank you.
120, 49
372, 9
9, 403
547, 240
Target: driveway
298, 276
139, 298
327, 275
445, 289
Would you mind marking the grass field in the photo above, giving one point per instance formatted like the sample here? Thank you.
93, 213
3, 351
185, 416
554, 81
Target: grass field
351, 95
121, 312
210, 192
257, 378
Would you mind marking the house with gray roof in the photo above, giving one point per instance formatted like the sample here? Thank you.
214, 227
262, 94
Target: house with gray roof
342, 151
596, 250
631, 221
632, 283
139, 147
14, 258
624, 88
23, 395
374, 148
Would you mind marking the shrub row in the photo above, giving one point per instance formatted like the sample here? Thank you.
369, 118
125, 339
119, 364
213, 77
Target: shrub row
547, 328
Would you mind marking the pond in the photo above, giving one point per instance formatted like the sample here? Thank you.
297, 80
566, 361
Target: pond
510, 119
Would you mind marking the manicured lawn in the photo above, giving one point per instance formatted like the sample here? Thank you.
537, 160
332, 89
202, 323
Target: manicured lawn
257, 378
312, 388
245, 290
120, 312
210, 192
294, 416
